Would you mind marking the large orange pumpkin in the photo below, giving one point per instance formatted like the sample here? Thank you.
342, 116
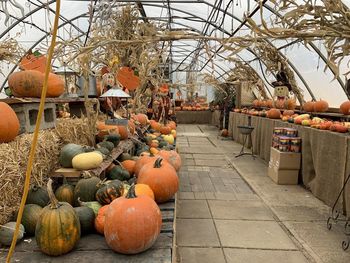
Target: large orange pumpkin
9, 123
161, 177
132, 223
130, 166
104, 129
142, 161
172, 125
345, 108
321, 106
142, 119
273, 114
123, 132
309, 106
29, 83
155, 125
165, 130
127, 78
100, 219
171, 157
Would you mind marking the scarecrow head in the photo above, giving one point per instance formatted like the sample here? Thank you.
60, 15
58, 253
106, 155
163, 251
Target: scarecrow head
281, 86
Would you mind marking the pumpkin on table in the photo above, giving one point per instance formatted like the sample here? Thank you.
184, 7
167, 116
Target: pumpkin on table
65, 193
273, 114
68, 152
58, 228
171, 157
309, 106
321, 106
9, 123
86, 189
345, 108
161, 177
132, 223
129, 165
142, 161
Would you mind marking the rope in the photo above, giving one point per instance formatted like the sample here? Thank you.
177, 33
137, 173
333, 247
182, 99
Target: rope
36, 134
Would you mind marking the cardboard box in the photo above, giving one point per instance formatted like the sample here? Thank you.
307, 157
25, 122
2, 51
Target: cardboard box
285, 160
289, 177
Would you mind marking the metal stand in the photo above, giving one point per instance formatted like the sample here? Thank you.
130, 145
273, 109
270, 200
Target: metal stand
334, 218
246, 131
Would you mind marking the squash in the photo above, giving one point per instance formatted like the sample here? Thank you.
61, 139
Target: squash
171, 157
163, 144
108, 191
124, 156
153, 150
321, 106
173, 133
118, 173
30, 217
123, 131
65, 193
106, 144
38, 195
309, 106
9, 123
104, 151
162, 179
169, 138
155, 125
100, 219
172, 125
105, 130
29, 83
94, 205
345, 108
129, 165
86, 218
7, 231
113, 138
132, 223
86, 161
142, 119
68, 152
58, 228
86, 189
273, 114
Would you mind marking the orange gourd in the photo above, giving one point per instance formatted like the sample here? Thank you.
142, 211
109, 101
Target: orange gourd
345, 108
142, 161
104, 129
130, 166
144, 189
165, 130
172, 125
171, 157
309, 106
9, 123
161, 177
123, 132
29, 83
142, 119
100, 219
155, 125
321, 106
132, 223
273, 114
288, 113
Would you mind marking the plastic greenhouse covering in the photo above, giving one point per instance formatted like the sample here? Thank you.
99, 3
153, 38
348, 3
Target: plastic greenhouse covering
213, 18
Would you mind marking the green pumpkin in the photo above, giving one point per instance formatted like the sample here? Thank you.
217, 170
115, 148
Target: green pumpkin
68, 152
124, 156
163, 144
87, 218
7, 231
103, 150
86, 189
118, 173
38, 195
94, 205
114, 138
30, 217
106, 144
109, 191
65, 193
148, 139
142, 149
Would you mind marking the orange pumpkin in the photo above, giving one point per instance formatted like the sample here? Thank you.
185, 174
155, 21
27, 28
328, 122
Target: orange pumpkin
309, 106
100, 219
165, 130
123, 132
161, 177
269, 103
273, 114
130, 166
224, 133
155, 125
345, 108
171, 157
321, 106
288, 113
142, 119
29, 83
127, 78
9, 123
257, 103
144, 189
144, 159
104, 129
131, 126
172, 125
132, 223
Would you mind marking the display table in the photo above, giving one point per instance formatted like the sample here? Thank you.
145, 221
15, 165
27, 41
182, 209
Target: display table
215, 118
324, 155
193, 117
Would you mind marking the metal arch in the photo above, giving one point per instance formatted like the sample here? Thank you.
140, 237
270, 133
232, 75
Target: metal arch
319, 53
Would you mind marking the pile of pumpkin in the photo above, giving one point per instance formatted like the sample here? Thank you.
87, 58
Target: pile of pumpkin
196, 107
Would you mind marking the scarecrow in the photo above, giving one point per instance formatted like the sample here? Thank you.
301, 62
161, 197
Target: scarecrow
282, 90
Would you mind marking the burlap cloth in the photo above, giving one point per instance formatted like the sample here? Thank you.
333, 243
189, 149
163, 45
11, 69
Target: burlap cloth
324, 155
215, 118
194, 117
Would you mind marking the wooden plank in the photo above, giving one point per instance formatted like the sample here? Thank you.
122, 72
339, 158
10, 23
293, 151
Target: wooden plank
67, 172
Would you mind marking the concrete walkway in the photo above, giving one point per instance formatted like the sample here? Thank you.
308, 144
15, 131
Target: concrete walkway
230, 211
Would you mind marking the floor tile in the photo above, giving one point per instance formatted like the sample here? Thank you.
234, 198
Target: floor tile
200, 255
193, 209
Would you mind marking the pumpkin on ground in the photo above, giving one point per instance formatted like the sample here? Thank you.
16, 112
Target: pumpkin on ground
132, 223
161, 177
224, 133
29, 83
58, 228
171, 157
108, 191
129, 165
321, 106
38, 195
7, 231
86, 189
9, 123
86, 218
100, 219
86, 161
142, 161
68, 152
30, 217
345, 108
65, 193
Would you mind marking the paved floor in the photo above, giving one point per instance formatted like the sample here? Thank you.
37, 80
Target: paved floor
230, 211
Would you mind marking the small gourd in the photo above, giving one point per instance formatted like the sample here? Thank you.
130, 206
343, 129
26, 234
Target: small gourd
68, 152
108, 191
38, 195
118, 173
86, 189
65, 193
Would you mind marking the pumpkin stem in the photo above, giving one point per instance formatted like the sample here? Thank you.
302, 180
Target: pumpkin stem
35, 188
158, 163
53, 201
64, 179
81, 203
131, 193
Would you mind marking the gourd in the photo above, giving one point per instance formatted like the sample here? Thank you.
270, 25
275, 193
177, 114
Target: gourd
169, 138
29, 83
30, 217
9, 123
144, 189
123, 131
65, 193
124, 156
113, 138
6, 233
86, 161
129, 165
86, 218
163, 144
273, 114
94, 205
288, 113
142, 119
172, 125
162, 179
108, 191
118, 173
68, 152
165, 130
86, 189
106, 144
100, 219
171, 157
58, 228
38, 195
103, 150
345, 108
105, 130
131, 231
